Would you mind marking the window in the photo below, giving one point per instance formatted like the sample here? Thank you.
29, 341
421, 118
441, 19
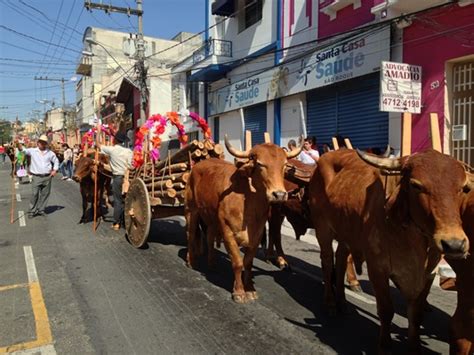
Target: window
251, 14
192, 93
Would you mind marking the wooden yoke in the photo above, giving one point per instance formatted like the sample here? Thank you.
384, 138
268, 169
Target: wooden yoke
434, 131
266, 137
406, 134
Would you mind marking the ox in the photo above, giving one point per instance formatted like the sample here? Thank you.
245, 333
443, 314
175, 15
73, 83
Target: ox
85, 175
462, 322
296, 210
401, 237
234, 203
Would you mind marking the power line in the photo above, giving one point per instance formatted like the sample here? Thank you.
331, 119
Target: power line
52, 34
36, 39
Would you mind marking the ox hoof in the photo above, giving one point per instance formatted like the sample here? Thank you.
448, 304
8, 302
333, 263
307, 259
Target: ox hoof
251, 295
239, 298
355, 288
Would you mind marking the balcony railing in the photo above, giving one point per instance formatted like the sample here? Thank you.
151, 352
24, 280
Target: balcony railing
217, 47
85, 66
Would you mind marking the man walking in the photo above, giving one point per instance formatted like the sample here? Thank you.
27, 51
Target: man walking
44, 165
120, 161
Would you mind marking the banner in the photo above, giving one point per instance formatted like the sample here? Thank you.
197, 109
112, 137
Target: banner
400, 87
353, 57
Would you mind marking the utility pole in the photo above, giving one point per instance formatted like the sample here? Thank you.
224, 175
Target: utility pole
62, 80
140, 67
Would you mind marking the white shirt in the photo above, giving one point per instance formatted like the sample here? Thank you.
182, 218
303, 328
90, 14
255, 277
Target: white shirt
306, 156
42, 162
68, 154
120, 158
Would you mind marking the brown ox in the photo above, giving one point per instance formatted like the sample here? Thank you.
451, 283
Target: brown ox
402, 238
234, 203
462, 322
296, 211
84, 174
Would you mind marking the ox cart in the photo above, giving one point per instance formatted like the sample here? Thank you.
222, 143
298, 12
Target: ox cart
157, 188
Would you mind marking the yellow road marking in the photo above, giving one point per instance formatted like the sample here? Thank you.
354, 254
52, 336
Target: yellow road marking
11, 287
43, 329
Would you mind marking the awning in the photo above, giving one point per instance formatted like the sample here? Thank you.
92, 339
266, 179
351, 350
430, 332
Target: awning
212, 72
125, 90
223, 7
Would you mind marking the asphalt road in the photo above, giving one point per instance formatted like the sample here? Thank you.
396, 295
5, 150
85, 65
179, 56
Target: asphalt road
100, 295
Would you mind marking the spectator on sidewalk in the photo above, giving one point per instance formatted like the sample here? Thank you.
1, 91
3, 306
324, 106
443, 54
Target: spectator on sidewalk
2, 154
120, 161
44, 165
308, 155
67, 163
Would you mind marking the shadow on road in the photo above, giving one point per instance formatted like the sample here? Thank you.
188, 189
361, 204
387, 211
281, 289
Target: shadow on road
341, 332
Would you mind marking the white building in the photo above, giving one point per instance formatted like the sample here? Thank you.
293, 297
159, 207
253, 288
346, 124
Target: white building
107, 64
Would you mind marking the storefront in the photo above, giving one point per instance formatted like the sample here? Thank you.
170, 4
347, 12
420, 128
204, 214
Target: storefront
349, 109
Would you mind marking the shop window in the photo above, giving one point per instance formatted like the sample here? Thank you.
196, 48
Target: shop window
250, 13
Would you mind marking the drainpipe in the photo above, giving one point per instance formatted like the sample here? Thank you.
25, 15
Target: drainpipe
206, 39
277, 102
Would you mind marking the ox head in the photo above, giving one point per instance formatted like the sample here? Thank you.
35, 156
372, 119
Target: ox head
429, 196
84, 167
265, 167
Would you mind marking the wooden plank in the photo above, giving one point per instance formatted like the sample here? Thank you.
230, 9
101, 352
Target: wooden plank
406, 134
248, 140
434, 130
266, 137
348, 143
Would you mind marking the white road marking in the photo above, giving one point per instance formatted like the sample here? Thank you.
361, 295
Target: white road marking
43, 350
356, 295
30, 264
21, 218
18, 197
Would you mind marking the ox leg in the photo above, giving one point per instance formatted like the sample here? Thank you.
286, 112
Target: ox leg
342, 253
250, 292
380, 283
84, 208
212, 236
351, 276
238, 292
276, 220
192, 232
327, 264
415, 317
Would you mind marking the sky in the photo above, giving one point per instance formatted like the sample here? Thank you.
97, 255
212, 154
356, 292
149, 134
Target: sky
44, 38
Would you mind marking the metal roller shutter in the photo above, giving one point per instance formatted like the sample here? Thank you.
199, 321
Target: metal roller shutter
359, 117
322, 112
256, 122
350, 109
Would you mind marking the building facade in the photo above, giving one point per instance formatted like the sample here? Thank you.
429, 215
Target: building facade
312, 67
107, 67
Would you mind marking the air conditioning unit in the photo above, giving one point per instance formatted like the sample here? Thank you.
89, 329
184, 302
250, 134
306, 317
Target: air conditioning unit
459, 132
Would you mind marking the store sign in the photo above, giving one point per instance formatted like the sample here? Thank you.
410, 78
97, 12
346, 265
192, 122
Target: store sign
400, 87
353, 57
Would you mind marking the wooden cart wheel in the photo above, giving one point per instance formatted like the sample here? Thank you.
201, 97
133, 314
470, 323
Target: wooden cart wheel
137, 213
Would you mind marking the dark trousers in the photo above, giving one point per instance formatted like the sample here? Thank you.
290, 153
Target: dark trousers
118, 199
41, 188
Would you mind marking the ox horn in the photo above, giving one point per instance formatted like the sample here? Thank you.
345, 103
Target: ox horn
294, 153
381, 163
387, 151
236, 153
